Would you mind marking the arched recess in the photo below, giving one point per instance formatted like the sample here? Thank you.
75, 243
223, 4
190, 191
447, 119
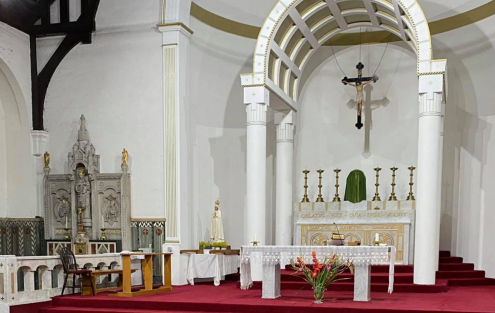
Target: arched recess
16, 171
295, 29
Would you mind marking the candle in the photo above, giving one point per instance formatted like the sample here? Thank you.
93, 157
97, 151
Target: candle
102, 221
254, 236
377, 237
66, 222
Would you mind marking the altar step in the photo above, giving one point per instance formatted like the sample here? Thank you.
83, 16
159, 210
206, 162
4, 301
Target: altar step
440, 286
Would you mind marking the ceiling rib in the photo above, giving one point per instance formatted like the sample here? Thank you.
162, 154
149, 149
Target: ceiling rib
399, 20
371, 13
303, 27
285, 58
334, 8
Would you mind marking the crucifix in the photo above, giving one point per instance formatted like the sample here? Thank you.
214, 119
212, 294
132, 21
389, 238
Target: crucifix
359, 83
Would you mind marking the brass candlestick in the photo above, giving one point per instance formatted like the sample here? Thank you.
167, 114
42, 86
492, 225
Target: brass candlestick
320, 196
67, 234
392, 195
336, 198
305, 198
411, 184
103, 234
377, 184
255, 243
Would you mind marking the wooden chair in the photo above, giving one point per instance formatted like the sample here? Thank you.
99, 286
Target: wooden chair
70, 268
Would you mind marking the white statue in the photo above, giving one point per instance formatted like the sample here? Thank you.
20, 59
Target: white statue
217, 224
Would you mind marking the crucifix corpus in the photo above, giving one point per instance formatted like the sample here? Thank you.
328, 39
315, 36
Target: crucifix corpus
359, 83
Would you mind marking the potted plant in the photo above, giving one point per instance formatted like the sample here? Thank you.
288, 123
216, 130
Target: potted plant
219, 245
320, 274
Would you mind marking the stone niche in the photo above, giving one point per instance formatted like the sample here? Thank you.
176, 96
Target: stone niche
104, 197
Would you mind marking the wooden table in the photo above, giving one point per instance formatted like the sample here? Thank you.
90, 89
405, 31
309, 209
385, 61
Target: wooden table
147, 269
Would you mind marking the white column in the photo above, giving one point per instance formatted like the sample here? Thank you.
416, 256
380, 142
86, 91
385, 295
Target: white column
428, 181
176, 116
285, 153
257, 101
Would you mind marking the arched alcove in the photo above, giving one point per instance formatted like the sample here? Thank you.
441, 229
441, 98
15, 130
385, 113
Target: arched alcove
17, 189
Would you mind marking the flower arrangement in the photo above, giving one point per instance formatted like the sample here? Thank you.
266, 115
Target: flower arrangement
320, 275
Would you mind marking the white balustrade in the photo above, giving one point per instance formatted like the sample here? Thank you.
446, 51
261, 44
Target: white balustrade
50, 276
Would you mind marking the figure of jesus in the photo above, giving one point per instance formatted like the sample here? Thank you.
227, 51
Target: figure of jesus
217, 224
359, 83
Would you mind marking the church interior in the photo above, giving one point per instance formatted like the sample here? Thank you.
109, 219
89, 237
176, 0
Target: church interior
295, 155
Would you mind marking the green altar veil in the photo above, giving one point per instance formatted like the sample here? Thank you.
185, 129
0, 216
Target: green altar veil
355, 189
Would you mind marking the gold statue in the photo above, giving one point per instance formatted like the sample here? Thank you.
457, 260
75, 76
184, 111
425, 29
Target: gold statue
125, 155
47, 160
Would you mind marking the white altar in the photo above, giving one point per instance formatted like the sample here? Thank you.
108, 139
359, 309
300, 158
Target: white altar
272, 257
394, 221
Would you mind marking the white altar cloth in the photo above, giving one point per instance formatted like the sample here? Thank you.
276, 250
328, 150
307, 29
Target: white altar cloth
211, 266
362, 257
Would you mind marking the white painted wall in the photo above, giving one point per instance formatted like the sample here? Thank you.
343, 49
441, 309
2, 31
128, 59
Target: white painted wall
326, 136
116, 83
219, 164
468, 158
17, 165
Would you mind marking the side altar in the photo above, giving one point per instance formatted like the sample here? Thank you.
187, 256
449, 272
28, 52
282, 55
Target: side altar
85, 205
394, 221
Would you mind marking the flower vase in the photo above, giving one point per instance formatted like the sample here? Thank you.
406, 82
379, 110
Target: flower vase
319, 292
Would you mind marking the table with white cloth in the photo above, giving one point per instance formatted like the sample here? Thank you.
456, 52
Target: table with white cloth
211, 266
362, 257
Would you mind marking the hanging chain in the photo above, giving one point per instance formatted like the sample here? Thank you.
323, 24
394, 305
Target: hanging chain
386, 47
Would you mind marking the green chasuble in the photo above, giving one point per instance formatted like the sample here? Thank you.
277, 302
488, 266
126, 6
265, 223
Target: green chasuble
355, 189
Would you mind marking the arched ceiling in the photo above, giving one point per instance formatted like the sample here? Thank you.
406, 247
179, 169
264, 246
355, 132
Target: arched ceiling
254, 12
295, 29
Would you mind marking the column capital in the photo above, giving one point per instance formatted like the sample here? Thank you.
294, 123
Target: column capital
431, 89
285, 126
39, 139
257, 99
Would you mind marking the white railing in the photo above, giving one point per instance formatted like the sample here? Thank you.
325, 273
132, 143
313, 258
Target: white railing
49, 272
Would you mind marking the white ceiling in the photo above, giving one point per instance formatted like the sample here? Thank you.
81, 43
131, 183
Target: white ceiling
254, 12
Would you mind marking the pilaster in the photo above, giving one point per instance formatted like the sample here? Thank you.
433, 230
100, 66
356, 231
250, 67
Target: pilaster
177, 143
284, 177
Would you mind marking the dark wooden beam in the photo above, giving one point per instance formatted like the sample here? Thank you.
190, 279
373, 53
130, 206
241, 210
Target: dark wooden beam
62, 28
76, 32
64, 11
37, 109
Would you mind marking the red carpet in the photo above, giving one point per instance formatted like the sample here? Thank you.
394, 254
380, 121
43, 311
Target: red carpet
228, 298
477, 294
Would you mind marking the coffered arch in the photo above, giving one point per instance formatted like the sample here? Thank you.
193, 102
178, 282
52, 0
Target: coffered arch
295, 29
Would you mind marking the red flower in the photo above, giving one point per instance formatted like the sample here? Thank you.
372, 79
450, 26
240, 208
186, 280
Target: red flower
299, 260
333, 257
314, 275
313, 254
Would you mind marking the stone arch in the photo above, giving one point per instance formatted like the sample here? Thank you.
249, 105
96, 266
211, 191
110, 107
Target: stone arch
295, 29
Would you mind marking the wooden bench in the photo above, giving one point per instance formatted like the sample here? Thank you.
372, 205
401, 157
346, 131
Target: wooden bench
95, 275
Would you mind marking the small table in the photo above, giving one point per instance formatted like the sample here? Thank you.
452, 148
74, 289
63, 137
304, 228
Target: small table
147, 269
211, 266
271, 257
